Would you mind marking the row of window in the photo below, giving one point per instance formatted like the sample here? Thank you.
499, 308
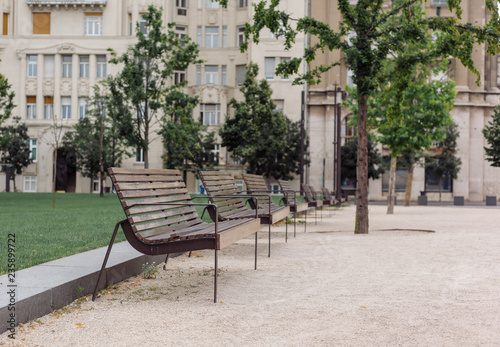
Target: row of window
213, 37
66, 68
48, 107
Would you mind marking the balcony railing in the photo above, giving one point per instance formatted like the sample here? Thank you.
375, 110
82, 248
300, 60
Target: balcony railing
66, 3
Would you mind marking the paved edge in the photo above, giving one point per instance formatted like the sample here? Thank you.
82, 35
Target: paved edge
44, 288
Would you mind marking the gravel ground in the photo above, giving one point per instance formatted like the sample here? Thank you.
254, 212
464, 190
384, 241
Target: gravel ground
425, 276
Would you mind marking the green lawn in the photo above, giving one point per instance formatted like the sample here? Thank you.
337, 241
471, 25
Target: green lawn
78, 223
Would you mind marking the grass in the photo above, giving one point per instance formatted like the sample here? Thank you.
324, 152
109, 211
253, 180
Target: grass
78, 223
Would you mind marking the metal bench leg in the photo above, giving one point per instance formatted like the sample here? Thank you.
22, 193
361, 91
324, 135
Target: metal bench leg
103, 267
286, 229
189, 256
215, 276
305, 221
269, 255
294, 224
256, 238
166, 260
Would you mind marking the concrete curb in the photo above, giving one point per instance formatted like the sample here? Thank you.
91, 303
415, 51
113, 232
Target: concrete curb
41, 289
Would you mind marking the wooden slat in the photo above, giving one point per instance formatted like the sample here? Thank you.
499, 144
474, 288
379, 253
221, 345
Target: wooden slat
147, 178
118, 170
151, 192
164, 214
162, 223
148, 185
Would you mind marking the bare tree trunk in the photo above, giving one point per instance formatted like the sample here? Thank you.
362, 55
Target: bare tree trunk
409, 183
54, 180
392, 186
91, 184
361, 223
440, 185
101, 155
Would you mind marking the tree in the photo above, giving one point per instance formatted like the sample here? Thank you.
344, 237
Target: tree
491, 133
446, 163
6, 105
15, 149
139, 89
258, 132
185, 140
93, 142
349, 158
380, 33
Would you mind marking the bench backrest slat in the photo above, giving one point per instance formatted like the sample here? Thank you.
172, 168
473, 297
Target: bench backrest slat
141, 193
289, 198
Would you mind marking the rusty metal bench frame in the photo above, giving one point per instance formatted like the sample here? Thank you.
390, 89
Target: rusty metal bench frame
222, 190
311, 200
162, 219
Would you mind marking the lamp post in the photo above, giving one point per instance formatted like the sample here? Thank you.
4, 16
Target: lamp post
337, 142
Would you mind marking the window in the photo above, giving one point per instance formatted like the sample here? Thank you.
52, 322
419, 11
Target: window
179, 76
269, 68
82, 108
31, 107
215, 153
48, 66
240, 74
350, 75
212, 4
401, 176
198, 35
32, 144
346, 130
239, 185
275, 188
48, 107
224, 37
93, 24
84, 66
212, 37
439, 2
210, 113
224, 75
139, 155
66, 107
41, 23
143, 28
66, 66
5, 24
181, 32
198, 75
279, 34
242, 3
432, 179
130, 24
181, 7
32, 65
101, 66
284, 59
240, 35
30, 184
211, 74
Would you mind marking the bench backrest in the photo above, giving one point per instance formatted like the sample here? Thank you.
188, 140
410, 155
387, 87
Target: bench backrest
139, 186
314, 193
222, 183
289, 196
326, 193
257, 185
307, 192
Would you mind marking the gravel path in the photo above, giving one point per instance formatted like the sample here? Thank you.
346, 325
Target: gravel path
425, 276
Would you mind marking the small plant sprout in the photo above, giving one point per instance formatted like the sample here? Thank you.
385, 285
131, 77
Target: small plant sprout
149, 270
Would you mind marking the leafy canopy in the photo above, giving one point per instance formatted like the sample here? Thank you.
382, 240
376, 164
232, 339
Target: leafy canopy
491, 133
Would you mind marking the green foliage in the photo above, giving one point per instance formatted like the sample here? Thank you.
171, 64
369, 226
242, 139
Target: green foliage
83, 142
446, 162
15, 149
185, 140
149, 271
258, 133
349, 158
6, 105
138, 91
491, 133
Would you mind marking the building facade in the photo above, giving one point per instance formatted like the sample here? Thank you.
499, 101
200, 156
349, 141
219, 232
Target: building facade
474, 106
54, 52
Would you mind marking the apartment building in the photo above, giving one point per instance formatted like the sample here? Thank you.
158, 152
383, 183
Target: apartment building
474, 106
54, 52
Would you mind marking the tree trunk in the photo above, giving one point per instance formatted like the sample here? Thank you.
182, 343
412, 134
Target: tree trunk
440, 185
54, 180
361, 223
91, 184
392, 186
409, 183
101, 155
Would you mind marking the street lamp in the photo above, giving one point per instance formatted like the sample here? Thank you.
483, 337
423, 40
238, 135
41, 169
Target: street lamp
337, 141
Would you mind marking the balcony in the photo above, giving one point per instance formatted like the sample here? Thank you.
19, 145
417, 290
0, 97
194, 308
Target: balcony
65, 3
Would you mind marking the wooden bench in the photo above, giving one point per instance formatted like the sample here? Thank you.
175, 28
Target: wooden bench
162, 219
290, 199
222, 190
311, 199
328, 197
